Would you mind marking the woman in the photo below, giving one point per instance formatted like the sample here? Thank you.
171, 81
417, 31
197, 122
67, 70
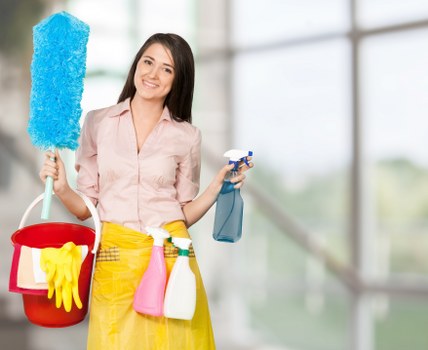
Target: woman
139, 162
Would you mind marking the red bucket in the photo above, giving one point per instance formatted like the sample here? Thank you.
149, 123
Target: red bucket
38, 308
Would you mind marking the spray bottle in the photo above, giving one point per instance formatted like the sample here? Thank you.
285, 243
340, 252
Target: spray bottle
230, 206
180, 295
149, 296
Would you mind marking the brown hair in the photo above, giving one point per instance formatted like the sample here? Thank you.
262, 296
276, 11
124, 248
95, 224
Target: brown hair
179, 100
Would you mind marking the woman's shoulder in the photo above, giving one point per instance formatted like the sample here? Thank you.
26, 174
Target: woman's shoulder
110, 111
187, 129
95, 118
187, 134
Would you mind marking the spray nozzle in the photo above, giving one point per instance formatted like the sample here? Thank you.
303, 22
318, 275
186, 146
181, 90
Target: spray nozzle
159, 234
182, 244
236, 156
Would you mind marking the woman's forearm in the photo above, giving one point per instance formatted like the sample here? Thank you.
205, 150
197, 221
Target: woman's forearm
74, 203
196, 209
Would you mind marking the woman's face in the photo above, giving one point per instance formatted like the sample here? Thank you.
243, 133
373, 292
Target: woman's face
155, 73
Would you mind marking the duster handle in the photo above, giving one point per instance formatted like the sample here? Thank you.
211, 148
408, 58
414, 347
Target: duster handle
47, 200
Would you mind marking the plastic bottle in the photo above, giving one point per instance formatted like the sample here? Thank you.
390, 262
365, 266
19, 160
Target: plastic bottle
180, 295
149, 296
230, 205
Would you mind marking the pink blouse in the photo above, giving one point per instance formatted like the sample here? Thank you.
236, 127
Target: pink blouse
131, 188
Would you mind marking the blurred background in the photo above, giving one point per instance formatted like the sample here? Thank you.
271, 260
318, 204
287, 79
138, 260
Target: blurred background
331, 95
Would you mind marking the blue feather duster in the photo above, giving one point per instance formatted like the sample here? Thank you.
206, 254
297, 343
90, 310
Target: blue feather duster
58, 69
57, 72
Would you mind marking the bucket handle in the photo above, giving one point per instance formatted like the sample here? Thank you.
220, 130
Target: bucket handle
88, 203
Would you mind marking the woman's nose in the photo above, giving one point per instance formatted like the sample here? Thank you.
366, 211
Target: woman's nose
154, 71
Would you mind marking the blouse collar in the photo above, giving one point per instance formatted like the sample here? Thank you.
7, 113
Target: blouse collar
125, 106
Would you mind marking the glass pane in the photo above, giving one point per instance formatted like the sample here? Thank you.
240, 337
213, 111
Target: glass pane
394, 106
292, 109
254, 22
401, 324
166, 16
110, 52
109, 47
288, 292
387, 12
112, 16
210, 103
101, 91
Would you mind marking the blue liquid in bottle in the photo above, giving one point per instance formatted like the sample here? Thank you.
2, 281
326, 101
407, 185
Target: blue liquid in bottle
228, 215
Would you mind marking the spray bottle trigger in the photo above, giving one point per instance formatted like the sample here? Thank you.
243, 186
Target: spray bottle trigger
245, 160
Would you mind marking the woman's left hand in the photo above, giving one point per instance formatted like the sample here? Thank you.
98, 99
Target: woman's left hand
243, 167
237, 180
195, 209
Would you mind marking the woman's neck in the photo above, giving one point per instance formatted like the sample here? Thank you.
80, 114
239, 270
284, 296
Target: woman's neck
146, 109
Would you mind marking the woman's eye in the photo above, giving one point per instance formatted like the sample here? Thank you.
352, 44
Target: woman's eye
168, 70
147, 62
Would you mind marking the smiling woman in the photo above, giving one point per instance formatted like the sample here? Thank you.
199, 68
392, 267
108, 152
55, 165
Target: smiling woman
170, 54
139, 161
154, 75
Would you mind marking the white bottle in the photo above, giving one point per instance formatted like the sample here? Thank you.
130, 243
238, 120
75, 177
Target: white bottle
180, 295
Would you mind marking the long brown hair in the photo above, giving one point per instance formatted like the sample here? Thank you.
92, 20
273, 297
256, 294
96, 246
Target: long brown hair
179, 100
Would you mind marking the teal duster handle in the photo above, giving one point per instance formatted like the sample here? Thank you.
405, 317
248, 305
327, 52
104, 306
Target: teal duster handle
47, 200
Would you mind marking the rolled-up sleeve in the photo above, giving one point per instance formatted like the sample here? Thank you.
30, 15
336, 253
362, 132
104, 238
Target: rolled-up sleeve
189, 170
86, 161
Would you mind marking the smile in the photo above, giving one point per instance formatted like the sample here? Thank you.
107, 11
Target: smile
149, 85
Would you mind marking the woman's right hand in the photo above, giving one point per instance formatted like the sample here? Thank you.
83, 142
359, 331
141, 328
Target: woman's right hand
55, 169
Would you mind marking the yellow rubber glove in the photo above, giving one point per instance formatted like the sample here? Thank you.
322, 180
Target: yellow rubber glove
62, 267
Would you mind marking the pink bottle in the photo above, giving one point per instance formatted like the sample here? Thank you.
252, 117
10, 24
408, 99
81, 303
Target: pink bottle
149, 296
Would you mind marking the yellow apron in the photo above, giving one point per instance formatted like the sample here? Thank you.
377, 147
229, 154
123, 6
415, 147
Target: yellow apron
113, 324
